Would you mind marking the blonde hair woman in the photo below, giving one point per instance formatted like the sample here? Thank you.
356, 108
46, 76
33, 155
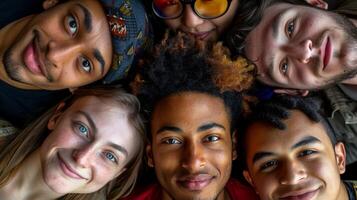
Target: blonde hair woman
88, 147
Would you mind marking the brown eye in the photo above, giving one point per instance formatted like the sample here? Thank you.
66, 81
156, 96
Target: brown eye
290, 28
72, 24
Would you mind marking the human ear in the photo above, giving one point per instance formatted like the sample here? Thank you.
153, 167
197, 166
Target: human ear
49, 4
318, 3
292, 92
234, 143
149, 155
247, 177
340, 154
53, 120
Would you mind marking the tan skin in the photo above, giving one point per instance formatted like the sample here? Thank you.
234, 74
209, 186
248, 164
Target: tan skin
57, 49
205, 29
191, 148
80, 155
299, 162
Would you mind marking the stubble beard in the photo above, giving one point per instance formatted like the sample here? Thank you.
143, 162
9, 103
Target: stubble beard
10, 66
349, 54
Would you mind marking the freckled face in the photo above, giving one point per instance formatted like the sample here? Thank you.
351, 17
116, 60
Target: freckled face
66, 46
89, 145
299, 162
191, 146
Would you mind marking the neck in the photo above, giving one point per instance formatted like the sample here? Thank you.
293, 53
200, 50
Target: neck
223, 195
8, 36
342, 195
24, 185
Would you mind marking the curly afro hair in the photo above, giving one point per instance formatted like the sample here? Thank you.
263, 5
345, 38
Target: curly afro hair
182, 64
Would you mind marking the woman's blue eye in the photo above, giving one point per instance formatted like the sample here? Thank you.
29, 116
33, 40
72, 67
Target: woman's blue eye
72, 24
172, 141
83, 130
85, 64
111, 157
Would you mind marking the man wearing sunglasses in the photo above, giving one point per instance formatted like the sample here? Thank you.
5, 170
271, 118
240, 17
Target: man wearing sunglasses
205, 19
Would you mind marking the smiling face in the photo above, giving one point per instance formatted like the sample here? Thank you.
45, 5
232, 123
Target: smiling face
205, 29
90, 144
302, 165
66, 46
302, 47
191, 146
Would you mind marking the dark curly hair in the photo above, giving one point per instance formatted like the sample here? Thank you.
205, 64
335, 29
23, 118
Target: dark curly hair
277, 109
182, 64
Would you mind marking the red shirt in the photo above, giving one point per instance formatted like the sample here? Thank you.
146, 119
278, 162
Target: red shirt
235, 189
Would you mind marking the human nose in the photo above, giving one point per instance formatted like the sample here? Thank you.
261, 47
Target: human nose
292, 173
83, 156
60, 52
302, 52
190, 19
194, 158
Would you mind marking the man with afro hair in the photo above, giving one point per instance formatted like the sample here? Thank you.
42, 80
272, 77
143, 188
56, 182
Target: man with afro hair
191, 93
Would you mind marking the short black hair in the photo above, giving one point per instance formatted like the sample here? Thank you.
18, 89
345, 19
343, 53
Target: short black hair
277, 109
183, 64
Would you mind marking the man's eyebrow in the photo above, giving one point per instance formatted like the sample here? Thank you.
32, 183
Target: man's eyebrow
87, 17
261, 155
119, 148
209, 126
168, 128
90, 121
305, 141
100, 59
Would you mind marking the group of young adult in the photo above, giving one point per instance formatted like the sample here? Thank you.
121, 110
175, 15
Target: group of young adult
61, 139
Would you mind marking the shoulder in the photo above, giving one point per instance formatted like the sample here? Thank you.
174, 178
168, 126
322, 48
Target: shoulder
237, 190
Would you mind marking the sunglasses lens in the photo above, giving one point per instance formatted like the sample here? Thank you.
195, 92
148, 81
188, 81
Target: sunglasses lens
167, 8
211, 8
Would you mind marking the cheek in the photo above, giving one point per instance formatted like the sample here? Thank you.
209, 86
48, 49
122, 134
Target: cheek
173, 23
265, 185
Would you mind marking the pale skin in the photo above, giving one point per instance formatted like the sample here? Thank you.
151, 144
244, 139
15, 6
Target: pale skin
89, 145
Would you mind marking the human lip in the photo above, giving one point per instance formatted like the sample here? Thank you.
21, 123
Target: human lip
196, 182
327, 52
68, 170
304, 194
31, 58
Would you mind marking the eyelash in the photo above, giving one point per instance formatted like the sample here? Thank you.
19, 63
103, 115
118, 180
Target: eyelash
68, 26
78, 126
115, 158
268, 165
206, 139
171, 140
307, 152
290, 24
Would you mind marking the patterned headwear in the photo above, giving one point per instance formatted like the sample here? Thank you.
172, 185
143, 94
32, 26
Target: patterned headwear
129, 28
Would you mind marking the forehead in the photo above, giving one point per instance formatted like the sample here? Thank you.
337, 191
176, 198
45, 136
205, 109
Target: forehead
189, 109
109, 118
262, 136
